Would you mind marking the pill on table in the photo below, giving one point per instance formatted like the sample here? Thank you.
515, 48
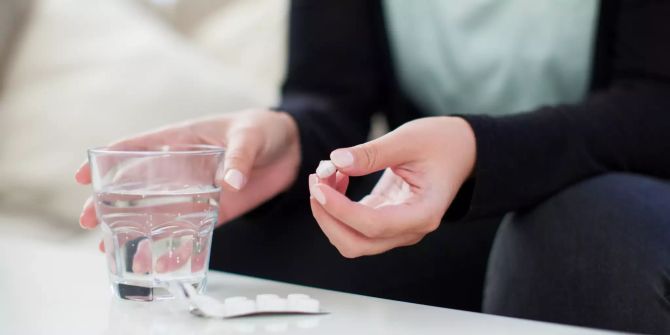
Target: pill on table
263, 297
294, 296
303, 305
270, 303
325, 169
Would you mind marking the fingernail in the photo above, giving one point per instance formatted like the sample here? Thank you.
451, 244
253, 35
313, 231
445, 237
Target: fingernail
325, 169
342, 158
76, 174
81, 216
318, 195
88, 201
81, 221
83, 224
313, 180
234, 178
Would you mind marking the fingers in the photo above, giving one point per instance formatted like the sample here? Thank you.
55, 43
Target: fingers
338, 181
149, 139
387, 182
87, 218
386, 151
142, 258
83, 174
386, 219
351, 243
345, 239
154, 138
199, 259
314, 191
341, 182
351, 240
174, 259
241, 151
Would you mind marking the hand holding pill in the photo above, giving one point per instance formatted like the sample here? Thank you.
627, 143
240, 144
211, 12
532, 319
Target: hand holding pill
425, 161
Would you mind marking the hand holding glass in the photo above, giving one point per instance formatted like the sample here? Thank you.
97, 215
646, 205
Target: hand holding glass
157, 208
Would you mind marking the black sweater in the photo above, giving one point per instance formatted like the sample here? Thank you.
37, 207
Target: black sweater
340, 72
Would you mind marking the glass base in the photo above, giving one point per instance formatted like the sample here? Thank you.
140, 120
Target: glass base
150, 291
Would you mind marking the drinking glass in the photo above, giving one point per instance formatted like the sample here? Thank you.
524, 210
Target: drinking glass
157, 208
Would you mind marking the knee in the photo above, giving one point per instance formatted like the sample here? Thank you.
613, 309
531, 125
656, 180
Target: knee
613, 212
617, 213
595, 254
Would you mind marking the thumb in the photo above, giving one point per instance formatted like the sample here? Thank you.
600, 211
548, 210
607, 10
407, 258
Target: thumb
241, 151
370, 157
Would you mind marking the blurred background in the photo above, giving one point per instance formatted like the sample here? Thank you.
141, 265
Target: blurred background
76, 74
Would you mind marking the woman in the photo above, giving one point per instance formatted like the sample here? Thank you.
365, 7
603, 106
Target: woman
589, 240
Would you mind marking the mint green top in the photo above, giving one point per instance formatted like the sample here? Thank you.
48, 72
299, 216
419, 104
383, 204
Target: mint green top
491, 56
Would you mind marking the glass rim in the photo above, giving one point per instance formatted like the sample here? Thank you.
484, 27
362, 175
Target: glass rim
184, 149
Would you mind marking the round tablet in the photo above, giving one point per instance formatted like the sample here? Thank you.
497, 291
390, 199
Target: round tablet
305, 305
270, 303
294, 296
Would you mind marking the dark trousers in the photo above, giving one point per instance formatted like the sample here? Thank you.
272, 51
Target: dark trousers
445, 269
596, 254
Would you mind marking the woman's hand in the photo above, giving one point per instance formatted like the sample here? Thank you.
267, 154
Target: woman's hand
426, 162
261, 160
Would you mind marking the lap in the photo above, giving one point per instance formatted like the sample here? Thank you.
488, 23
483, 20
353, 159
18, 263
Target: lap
596, 254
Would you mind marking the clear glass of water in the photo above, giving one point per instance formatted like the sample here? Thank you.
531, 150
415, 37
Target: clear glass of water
157, 209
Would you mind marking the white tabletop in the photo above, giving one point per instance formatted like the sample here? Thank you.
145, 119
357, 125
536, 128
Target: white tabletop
62, 288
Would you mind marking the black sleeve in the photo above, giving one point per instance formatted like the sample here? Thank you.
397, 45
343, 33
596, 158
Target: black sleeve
525, 158
334, 77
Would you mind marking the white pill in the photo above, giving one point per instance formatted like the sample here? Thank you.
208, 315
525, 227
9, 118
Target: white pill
236, 307
293, 301
264, 297
295, 296
209, 306
304, 305
325, 169
270, 303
